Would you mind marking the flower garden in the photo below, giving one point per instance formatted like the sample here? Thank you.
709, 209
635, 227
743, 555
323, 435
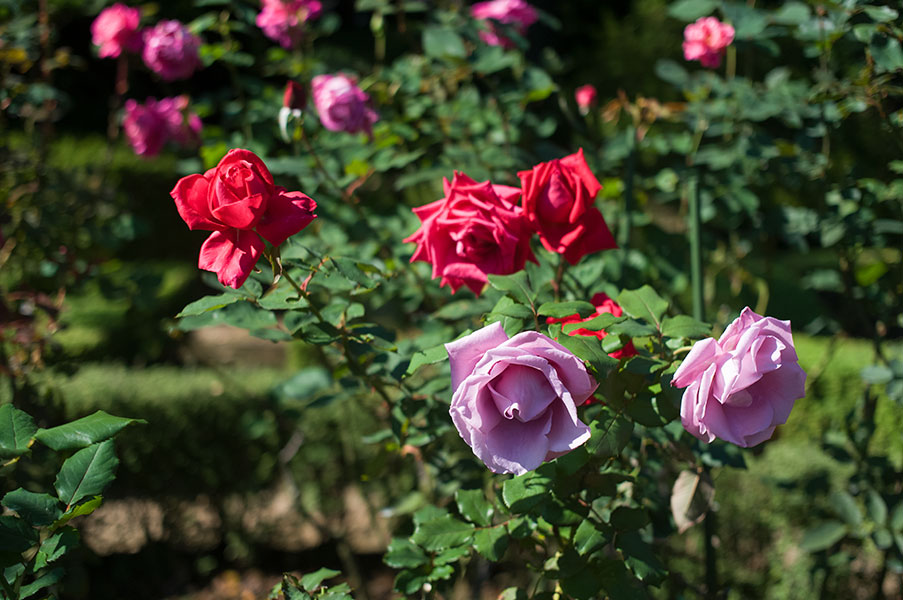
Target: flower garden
506, 300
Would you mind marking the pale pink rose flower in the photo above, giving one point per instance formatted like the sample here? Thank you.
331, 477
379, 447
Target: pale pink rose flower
742, 386
171, 51
116, 29
509, 12
283, 20
342, 105
706, 41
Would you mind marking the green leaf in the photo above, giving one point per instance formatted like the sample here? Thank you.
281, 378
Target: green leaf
45, 580
631, 328
83, 432
846, 508
440, 42
792, 13
887, 54
474, 506
628, 519
673, 73
566, 309
80, 510
37, 509
883, 538
823, 536
881, 14
644, 303
441, 533
610, 433
429, 356
491, 542
527, 491
690, 10
516, 285
877, 508
351, 270
896, 519
16, 536
513, 593
86, 473
876, 374
590, 349
640, 558
683, 326
588, 539
312, 581
56, 546
602, 322
16, 429
208, 303
404, 554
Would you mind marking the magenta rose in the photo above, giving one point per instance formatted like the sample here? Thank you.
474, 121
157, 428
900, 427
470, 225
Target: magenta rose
342, 105
706, 40
558, 202
283, 20
509, 12
150, 125
477, 229
515, 400
585, 95
171, 51
116, 29
740, 387
238, 201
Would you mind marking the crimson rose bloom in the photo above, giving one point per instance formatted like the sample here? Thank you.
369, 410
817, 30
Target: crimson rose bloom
603, 305
238, 201
475, 230
558, 203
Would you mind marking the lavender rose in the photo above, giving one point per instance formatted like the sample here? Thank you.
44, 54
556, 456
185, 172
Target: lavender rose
515, 400
739, 388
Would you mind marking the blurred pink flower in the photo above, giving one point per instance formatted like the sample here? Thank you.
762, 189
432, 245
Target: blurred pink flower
171, 51
586, 97
706, 40
509, 12
282, 20
342, 105
116, 29
150, 125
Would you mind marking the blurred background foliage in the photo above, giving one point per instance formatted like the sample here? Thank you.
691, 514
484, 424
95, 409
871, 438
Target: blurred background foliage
794, 147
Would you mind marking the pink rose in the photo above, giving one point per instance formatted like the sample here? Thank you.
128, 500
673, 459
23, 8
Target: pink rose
739, 388
283, 20
603, 305
515, 400
342, 105
116, 29
475, 230
150, 125
586, 97
171, 51
558, 203
706, 39
509, 12
238, 201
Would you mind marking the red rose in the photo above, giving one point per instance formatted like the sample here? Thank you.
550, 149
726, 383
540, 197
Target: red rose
603, 305
558, 203
475, 230
239, 202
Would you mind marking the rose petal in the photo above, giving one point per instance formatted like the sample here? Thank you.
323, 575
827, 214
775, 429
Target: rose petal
190, 194
287, 213
231, 254
465, 353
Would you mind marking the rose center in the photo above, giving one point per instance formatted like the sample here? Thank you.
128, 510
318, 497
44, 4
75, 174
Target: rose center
556, 201
473, 243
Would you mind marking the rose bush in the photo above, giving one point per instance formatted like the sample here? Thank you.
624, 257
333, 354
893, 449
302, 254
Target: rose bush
515, 399
475, 230
743, 385
116, 29
706, 40
171, 51
558, 201
239, 202
342, 105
